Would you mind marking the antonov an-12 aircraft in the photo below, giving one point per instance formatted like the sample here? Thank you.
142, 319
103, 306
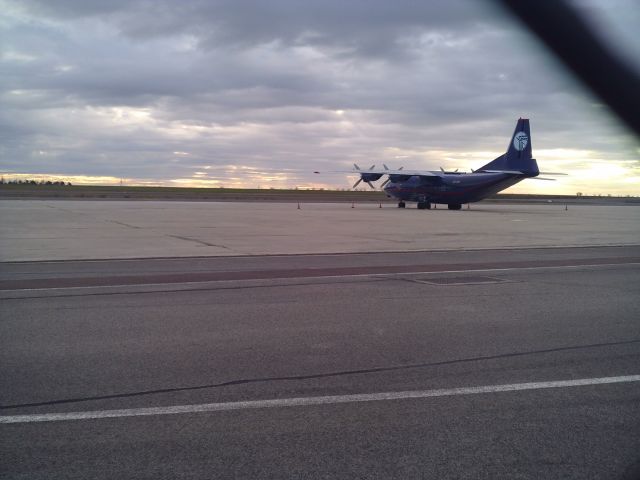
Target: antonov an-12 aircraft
456, 188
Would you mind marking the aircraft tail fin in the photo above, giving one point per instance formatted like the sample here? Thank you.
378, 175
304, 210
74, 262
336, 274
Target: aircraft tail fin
518, 156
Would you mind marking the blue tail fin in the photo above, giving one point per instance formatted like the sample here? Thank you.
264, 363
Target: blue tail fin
518, 156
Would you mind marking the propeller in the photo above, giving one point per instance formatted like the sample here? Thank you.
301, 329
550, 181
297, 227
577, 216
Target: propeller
355, 165
389, 177
366, 177
366, 181
358, 168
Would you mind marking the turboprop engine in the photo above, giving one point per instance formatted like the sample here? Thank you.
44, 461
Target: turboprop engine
367, 177
394, 178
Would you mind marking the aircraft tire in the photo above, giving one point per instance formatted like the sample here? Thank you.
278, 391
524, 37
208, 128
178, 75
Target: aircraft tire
401, 205
422, 205
454, 206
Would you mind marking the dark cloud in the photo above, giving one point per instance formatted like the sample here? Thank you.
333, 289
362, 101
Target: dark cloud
115, 88
245, 23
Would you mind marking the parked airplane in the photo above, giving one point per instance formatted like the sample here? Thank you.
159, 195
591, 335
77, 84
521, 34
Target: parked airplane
456, 188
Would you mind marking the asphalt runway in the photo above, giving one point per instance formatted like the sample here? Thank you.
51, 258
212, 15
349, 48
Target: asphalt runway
516, 363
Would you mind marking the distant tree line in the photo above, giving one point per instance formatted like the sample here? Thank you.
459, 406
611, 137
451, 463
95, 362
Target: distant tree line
58, 183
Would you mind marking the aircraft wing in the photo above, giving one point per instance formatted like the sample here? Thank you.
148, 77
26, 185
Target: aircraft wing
411, 173
381, 171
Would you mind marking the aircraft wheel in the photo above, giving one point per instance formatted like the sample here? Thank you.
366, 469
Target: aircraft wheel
428, 206
422, 205
454, 206
401, 205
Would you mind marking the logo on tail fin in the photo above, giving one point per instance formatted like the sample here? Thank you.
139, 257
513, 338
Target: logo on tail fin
520, 141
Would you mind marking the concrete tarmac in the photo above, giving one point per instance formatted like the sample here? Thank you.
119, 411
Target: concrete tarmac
333, 342
63, 230
194, 331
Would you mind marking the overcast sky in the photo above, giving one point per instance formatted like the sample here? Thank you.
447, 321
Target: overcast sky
262, 93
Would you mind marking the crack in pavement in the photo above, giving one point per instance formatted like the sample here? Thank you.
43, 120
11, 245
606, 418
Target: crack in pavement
316, 375
201, 242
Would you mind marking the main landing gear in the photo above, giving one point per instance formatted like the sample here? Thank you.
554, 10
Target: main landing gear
427, 205
421, 205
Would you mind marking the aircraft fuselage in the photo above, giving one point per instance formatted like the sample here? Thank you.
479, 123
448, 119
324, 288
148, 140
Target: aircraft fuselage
452, 188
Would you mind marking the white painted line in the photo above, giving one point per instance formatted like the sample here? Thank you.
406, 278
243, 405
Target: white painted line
320, 277
307, 401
